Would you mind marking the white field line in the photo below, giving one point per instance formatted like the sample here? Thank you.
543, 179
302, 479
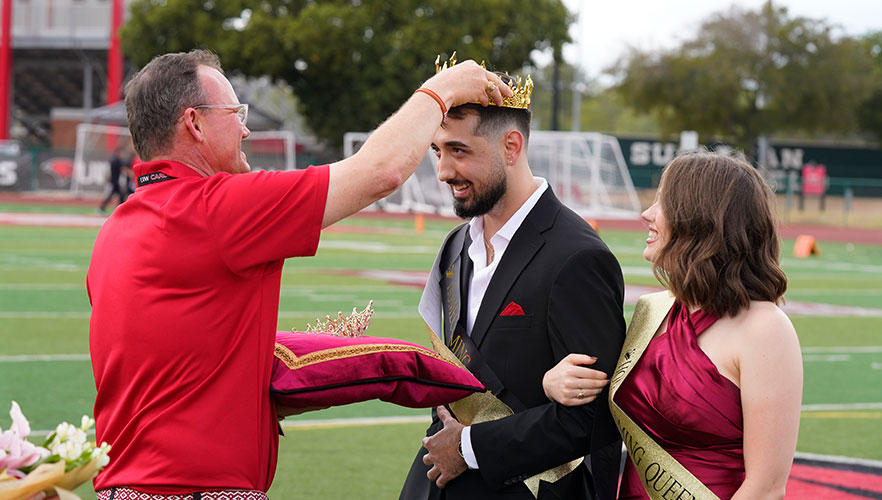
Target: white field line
31, 358
286, 289
58, 266
839, 459
796, 308
42, 286
311, 289
831, 266
792, 307
355, 422
636, 271
826, 358
394, 314
318, 423
425, 419
413, 276
49, 219
843, 349
376, 247
401, 314
631, 295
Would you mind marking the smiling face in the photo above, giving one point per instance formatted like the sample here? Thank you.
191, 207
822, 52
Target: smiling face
659, 231
471, 165
223, 130
712, 239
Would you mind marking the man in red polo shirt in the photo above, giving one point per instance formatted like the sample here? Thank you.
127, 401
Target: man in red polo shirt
184, 278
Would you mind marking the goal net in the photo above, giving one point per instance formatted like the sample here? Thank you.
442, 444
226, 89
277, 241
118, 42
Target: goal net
266, 150
586, 170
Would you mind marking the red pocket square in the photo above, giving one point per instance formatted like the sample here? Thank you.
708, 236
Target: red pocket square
512, 309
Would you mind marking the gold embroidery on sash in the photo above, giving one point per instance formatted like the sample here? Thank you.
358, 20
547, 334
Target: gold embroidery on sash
451, 304
293, 362
663, 477
484, 406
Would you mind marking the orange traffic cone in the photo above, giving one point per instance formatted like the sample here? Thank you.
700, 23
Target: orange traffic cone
805, 246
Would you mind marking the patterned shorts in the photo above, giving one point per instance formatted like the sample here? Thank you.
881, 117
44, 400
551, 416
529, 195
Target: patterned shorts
130, 494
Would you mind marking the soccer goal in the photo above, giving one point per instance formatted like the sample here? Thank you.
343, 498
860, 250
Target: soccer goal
421, 193
266, 150
586, 170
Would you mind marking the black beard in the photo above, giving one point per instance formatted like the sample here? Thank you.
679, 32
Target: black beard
482, 202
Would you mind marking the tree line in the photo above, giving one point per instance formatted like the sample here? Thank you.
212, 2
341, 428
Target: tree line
350, 63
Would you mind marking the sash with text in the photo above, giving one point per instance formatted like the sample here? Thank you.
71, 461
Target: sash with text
663, 477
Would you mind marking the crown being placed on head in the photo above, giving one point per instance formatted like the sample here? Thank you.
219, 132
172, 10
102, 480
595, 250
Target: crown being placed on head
522, 91
353, 326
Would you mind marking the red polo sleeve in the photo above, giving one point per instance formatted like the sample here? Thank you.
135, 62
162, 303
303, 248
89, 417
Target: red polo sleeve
265, 217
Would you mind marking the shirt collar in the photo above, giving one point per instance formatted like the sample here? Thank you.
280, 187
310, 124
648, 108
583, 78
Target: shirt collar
172, 168
507, 231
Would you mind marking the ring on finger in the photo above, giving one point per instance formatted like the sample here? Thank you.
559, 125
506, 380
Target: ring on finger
581, 395
491, 87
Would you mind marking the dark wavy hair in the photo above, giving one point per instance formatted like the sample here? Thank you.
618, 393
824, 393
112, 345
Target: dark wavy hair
158, 94
722, 249
493, 121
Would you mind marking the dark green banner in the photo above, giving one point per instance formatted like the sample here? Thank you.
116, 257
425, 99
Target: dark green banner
859, 169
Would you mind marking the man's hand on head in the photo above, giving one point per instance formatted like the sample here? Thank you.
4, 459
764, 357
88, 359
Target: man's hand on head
468, 82
444, 452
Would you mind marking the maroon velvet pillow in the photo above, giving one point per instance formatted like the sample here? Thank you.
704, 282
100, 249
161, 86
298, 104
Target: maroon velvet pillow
315, 369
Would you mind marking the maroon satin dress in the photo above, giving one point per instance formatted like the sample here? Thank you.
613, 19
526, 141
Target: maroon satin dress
677, 395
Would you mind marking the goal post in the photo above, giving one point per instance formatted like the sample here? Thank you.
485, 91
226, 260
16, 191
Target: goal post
95, 144
586, 170
422, 192
265, 150
270, 150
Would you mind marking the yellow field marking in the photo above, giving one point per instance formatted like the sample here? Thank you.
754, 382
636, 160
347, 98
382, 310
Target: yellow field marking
842, 414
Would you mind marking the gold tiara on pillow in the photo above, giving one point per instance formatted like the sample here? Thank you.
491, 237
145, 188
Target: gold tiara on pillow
352, 326
333, 363
523, 91
320, 370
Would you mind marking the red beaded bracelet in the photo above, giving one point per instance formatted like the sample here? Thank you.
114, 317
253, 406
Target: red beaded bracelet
435, 96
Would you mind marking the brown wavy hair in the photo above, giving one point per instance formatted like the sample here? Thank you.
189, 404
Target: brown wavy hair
722, 249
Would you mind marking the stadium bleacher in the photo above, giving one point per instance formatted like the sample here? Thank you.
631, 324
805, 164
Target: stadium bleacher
48, 78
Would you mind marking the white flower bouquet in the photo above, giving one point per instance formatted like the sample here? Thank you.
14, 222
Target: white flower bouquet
64, 461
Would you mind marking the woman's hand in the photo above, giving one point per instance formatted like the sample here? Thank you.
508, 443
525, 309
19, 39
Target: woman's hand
571, 383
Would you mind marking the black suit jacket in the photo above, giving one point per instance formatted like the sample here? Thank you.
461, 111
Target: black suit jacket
571, 290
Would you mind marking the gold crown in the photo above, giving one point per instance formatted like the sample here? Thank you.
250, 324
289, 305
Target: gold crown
353, 326
522, 92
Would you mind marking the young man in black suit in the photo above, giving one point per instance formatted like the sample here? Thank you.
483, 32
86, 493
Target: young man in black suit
520, 286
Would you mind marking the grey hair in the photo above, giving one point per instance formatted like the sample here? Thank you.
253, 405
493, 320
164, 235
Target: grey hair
159, 92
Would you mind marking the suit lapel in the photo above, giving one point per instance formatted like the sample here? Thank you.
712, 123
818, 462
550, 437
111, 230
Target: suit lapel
526, 241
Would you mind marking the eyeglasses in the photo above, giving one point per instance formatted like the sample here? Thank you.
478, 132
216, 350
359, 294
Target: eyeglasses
240, 109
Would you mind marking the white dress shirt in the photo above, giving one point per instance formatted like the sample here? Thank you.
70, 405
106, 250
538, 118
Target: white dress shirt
482, 273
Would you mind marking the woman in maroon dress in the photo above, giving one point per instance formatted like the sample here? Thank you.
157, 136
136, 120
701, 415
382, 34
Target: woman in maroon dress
719, 386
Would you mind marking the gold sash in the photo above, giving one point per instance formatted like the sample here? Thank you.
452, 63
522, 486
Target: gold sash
664, 478
483, 407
